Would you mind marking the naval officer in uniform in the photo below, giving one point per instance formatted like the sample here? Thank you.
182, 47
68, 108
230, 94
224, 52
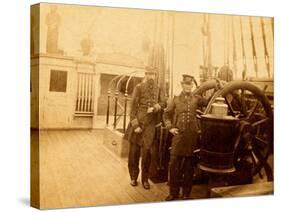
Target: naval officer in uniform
180, 119
147, 102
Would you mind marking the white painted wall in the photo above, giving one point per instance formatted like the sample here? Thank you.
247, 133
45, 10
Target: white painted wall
56, 109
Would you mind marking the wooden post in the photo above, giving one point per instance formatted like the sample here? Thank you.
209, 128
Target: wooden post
115, 109
125, 111
108, 107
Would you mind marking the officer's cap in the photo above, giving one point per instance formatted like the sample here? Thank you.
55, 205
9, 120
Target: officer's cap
150, 70
187, 79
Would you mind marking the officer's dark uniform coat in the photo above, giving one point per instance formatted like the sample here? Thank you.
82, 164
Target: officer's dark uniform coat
181, 113
145, 95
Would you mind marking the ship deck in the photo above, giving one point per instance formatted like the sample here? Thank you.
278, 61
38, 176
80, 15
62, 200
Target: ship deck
76, 170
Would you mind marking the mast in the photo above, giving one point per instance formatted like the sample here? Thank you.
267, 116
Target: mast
272, 27
224, 42
167, 64
172, 56
162, 54
207, 67
204, 67
244, 73
234, 53
209, 40
204, 33
266, 55
228, 40
253, 46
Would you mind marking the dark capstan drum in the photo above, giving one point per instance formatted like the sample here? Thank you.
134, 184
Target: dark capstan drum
219, 134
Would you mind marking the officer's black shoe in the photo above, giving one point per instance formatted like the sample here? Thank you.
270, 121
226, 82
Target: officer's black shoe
134, 183
146, 185
171, 198
186, 198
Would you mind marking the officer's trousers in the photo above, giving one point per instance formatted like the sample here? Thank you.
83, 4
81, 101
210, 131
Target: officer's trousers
181, 174
135, 152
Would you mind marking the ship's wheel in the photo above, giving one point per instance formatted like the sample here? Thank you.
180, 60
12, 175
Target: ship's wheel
254, 144
208, 89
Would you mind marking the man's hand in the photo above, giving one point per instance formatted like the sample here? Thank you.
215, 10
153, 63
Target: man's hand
138, 130
157, 107
174, 131
150, 110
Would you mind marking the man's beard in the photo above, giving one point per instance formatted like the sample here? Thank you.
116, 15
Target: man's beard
187, 91
150, 81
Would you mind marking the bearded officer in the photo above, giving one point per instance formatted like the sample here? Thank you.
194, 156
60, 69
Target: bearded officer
180, 120
147, 101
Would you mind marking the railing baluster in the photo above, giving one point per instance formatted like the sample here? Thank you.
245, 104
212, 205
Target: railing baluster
90, 92
79, 92
86, 92
83, 92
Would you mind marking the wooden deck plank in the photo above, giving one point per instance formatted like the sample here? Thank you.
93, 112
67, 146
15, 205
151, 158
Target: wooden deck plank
264, 188
78, 170
121, 180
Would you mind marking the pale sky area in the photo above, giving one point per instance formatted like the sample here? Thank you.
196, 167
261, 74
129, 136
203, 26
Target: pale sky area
115, 30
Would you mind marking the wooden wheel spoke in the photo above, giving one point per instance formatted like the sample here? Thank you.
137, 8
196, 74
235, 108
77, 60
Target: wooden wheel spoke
258, 162
259, 122
253, 109
261, 141
256, 169
243, 102
233, 113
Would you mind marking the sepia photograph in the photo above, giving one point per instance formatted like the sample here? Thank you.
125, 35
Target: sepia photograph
138, 106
